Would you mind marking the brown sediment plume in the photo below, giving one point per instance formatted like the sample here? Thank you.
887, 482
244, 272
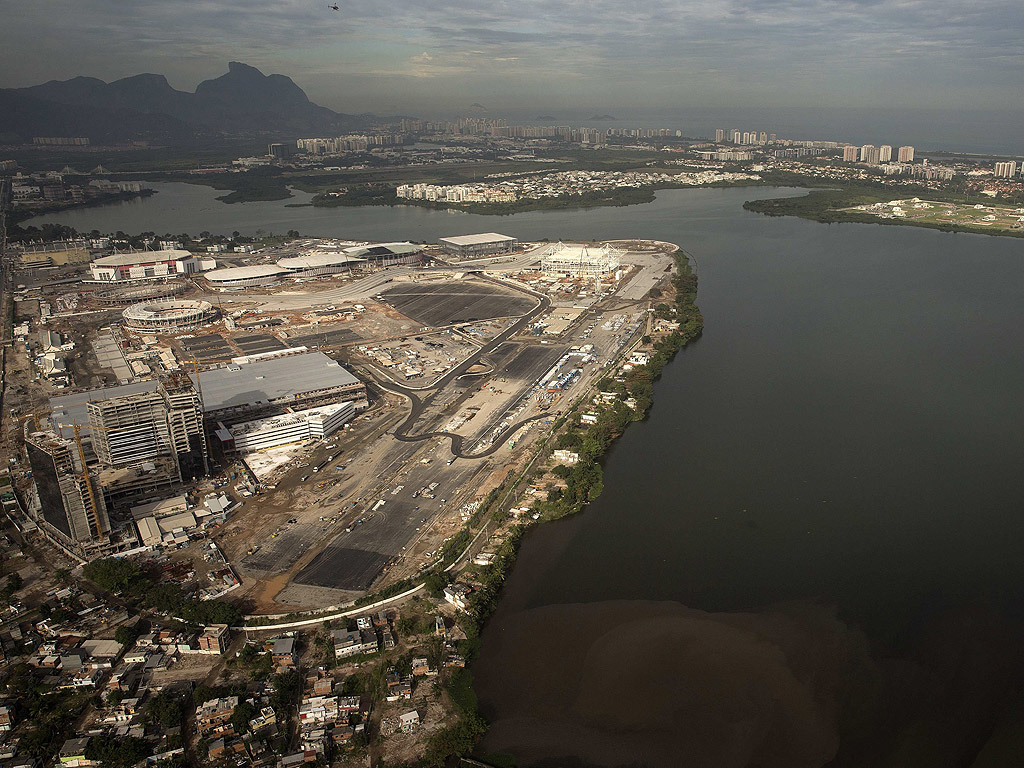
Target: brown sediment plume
656, 683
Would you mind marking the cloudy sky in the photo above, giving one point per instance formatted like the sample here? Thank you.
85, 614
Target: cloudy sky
430, 57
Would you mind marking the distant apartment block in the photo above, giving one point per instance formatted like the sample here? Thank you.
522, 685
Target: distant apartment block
870, 154
1006, 170
884, 153
850, 154
905, 154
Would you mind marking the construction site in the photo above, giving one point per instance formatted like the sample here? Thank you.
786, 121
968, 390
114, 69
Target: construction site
352, 421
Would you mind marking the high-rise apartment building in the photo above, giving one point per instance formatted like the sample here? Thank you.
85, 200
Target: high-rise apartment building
719, 135
905, 154
71, 499
762, 138
884, 153
869, 154
736, 136
1006, 170
850, 154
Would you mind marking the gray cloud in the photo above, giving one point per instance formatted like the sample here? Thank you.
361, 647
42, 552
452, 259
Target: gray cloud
598, 52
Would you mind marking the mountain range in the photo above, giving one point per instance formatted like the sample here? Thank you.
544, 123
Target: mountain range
243, 102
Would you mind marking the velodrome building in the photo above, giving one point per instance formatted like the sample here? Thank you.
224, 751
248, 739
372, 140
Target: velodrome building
247, 276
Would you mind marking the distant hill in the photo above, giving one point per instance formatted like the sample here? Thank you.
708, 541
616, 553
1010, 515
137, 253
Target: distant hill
546, 117
602, 117
242, 102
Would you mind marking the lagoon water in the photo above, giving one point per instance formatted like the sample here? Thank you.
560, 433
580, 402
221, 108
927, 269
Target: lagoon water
810, 554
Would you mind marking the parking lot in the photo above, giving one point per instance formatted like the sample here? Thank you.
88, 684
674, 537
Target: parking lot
209, 348
356, 557
461, 301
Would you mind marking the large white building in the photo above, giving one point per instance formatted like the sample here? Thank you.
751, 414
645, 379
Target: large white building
241, 277
477, 245
298, 426
315, 263
905, 154
580, 260
146, 265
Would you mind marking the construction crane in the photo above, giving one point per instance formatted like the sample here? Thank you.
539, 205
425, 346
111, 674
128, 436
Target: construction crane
88, 480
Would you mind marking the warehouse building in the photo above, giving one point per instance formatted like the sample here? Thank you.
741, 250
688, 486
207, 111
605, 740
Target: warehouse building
295, 427
486, 244
288, 380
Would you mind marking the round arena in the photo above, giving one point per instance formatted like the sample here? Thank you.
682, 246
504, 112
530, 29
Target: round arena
167, 315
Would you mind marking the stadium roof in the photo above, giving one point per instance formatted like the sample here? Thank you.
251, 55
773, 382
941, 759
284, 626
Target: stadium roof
271, 380
315, 259
481, 239
383, 249
141, 257
227, 274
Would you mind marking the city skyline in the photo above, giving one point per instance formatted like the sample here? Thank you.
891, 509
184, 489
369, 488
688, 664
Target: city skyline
429, 56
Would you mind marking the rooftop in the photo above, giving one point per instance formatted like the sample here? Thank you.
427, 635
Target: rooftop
73, 409
315, 259
286, 419
227, 274
481, 239
273, 380
141, 257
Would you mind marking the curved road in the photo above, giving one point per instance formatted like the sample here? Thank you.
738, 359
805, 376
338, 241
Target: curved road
402, 430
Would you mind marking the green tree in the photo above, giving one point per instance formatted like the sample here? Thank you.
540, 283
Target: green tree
126, 635
436, 582
117, 752
116, 575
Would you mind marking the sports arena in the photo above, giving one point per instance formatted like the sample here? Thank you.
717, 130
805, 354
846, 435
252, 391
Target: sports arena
167, 315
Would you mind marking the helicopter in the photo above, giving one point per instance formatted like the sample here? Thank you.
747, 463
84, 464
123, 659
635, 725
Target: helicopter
334, 7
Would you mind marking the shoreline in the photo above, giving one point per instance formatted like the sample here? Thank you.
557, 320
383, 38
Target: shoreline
583, 486
829, 206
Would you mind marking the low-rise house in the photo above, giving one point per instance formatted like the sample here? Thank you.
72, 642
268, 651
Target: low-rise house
456, 595
266, 718
421, 667
215, 639
214, 716
72, 753
347, 706
297, 758
6, 720
398, 688
352, 643
284, 652
410, 721
318, 709
388, 638
222, 748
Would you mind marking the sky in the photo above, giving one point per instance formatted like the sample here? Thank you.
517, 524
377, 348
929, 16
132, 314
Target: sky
434, 57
